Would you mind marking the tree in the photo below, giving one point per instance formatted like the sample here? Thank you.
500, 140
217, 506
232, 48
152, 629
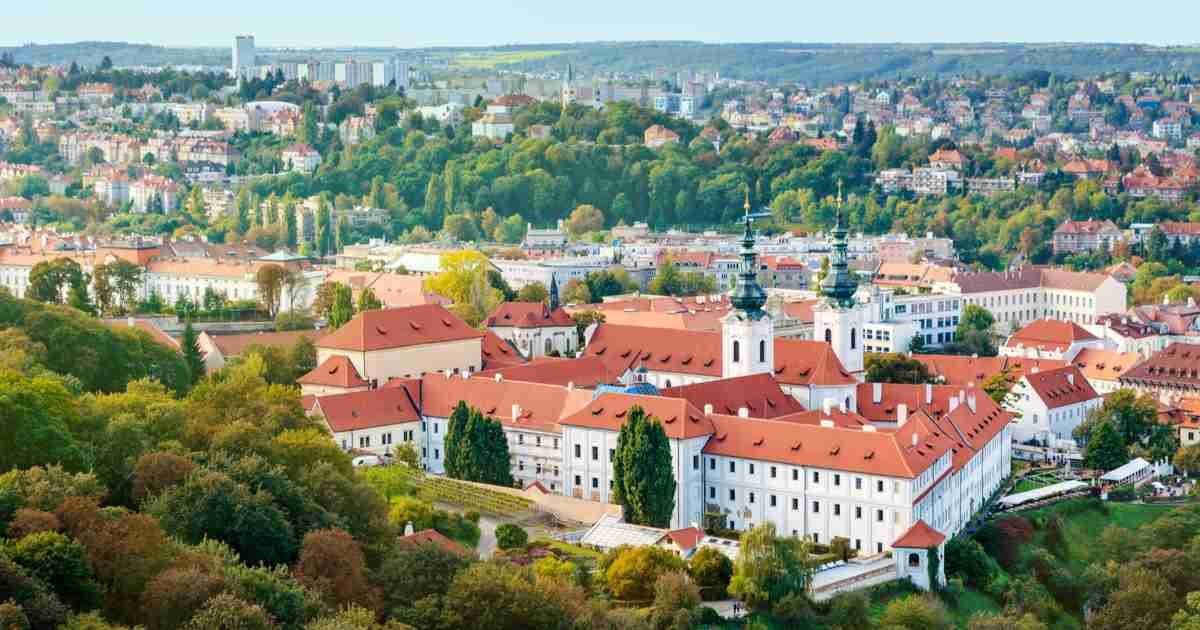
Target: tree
115, 284
634, 570
155, 472
675, 599
332, 563
342, 309
414, 572
270, 280
61, 563
174, 596
1105, 450
502, 596
893, 367
584, 218
509, 536
48, 280
367, 300
974, 318
463, 279
106, 63
1187, 458
476, 448
711, 569
533, 292
916, 612
192, 356
769, 568
576, 291
1188, 618
643, 483
228, 612
35, 419
1142, 599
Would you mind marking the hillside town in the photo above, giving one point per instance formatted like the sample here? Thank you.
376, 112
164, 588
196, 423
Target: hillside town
381, 342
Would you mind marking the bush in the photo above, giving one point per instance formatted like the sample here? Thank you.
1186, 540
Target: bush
509, 536
966, 558
848, 610
711, 571
26, 522
634, 572
1122, 494
1003, 539
795, 610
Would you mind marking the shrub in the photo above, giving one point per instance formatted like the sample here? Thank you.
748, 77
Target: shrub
1003, 538
509, 536
1122, 494
26, 522
632, 575
965, 557
711, 571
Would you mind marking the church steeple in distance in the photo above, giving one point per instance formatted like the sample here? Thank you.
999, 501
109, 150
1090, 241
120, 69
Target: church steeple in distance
839, 285
553, 292
748, 296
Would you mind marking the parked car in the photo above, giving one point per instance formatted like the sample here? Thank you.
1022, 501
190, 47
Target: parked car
367, 460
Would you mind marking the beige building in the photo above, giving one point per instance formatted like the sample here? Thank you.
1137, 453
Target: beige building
404, 343
1016, 298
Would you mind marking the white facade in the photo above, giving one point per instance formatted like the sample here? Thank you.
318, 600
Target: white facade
540, 341
1038, 420
842, 328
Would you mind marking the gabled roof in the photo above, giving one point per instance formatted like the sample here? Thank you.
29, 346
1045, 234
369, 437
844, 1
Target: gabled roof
1105, 365
539, 406
919, 536
797, 362
965, 371
355, 411
1061, 387
586, 372
528, 315
498, 353
760, 394
680, 419
434, 537
336, 371
1050, 335
1177, 364
863, 450
235, 345
687, 538
399, 327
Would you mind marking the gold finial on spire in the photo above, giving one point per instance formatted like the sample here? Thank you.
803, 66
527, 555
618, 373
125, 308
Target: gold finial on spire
839, 197
747, 206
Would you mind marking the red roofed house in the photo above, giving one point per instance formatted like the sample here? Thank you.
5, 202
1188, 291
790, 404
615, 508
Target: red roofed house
1051, 339
912, 551
1171, 374
947, 159
657, 136
376, 421
404, 343
534, 328
433, 537
1049, 404
1086, 236
219, 349
336, 375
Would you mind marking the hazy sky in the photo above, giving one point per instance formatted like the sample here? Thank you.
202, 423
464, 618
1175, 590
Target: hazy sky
414, 23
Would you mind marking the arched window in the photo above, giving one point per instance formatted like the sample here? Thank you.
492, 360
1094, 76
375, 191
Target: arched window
762, 351
828, 336
914, 560
549, 347
737, 351
853, 338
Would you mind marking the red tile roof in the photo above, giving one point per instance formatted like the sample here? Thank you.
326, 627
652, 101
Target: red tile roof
528, 315
797, 362
686, 538
919, 536
336, 371
356, 411
498, 353
1049, 334
1061, 387
539, 406
965, 371
434, 537
891, 453
399, 327
1104, 364
586, 372
680, 419
1176, 365
760, 394
235, 345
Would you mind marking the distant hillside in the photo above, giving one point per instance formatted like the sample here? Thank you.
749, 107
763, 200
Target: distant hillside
781, 61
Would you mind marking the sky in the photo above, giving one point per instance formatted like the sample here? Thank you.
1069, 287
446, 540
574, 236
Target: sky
420, 23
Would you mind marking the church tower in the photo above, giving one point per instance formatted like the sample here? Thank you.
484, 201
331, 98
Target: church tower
568, 87
837, 319
747, 332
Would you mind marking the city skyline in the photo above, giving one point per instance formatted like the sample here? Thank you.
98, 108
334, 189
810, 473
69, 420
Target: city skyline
542, 21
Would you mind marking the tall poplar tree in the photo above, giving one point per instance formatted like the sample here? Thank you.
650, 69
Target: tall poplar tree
643, 484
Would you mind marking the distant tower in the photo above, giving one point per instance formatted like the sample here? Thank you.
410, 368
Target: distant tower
568, 87
553, 292
747, 332
837, 319
243, 56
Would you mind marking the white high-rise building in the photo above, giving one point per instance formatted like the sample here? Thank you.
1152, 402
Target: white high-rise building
243, 56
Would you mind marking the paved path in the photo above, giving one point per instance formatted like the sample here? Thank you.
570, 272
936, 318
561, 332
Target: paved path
724, 608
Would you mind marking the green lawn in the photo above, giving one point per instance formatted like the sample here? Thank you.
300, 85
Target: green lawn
970, 603
1082, 528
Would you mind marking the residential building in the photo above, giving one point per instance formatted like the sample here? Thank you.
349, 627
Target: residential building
1086, 236
1104, 368
1049, 404
154, 194
1016, 298
1170, 374
658, 136
495, 124
1051, 339
301, 157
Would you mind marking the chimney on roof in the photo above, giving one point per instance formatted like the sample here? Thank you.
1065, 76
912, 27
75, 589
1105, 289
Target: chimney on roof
465, 375
743, 412
953, 403
1034, 370
876, 392
708, 409
928, 394
499, 377
1071, 378
570, 386
827, 406
828, 424
915, 439
516, 412
448, 374
901, 414
971, 402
